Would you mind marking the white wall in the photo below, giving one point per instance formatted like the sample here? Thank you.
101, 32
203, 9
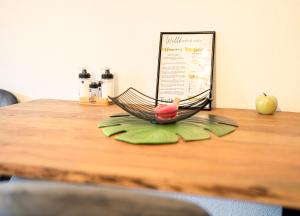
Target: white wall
45, 43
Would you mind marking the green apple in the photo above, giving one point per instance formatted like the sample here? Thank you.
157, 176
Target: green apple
266, 104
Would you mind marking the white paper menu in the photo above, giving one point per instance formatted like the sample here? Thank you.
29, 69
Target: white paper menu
185, 65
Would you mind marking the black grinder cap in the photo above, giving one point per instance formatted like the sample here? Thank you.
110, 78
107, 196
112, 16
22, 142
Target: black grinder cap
107, 75
84, 74
93, 85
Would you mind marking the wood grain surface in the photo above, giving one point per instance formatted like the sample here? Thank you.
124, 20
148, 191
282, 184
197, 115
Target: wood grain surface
59, 140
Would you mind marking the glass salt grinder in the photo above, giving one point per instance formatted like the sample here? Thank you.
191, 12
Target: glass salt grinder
94, 92
84, 82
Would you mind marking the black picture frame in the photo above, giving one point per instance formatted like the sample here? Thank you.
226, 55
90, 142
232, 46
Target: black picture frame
204, 41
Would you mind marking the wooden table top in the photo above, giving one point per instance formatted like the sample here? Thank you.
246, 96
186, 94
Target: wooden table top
59, 140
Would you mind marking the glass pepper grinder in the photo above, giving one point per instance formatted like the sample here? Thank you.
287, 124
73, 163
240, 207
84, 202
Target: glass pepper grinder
100, 90
107, 85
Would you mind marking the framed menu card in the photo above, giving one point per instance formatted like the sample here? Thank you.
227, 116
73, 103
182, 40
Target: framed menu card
185, 65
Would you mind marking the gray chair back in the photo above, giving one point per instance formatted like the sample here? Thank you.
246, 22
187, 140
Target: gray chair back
60, 199
7, 98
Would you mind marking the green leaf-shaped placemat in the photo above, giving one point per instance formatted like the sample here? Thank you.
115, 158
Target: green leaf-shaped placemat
138, 131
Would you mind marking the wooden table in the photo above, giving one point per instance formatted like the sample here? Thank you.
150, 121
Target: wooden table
59, 140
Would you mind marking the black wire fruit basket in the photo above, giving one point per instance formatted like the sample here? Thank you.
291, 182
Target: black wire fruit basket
142, 106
